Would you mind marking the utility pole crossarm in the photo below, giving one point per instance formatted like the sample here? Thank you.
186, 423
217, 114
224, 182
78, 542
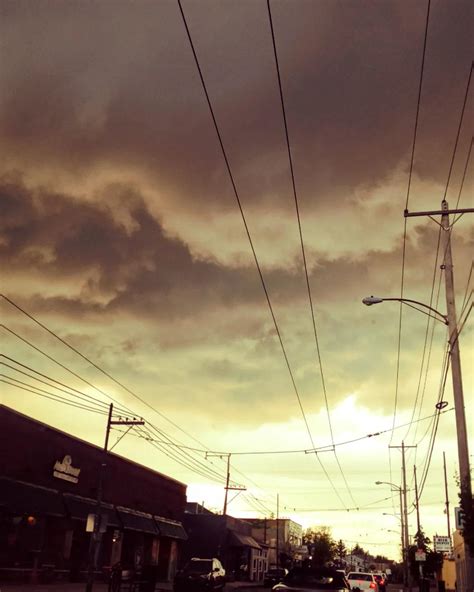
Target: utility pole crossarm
408, 214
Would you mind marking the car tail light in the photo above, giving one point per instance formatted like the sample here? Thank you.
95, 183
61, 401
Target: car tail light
372, 585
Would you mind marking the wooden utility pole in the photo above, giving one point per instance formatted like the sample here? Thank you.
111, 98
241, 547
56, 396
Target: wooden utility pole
455, 358
418, 527
405, 515
447, 498
96, 535
227, 486
278, 532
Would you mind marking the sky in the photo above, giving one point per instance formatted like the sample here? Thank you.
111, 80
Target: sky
121, 233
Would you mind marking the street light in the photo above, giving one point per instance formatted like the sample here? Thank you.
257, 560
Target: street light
403, 528
451, 321
370, 300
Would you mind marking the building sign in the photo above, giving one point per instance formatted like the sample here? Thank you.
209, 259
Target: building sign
64, 470
442, 544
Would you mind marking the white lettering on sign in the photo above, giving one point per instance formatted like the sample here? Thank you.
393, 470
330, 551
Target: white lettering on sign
442, 544
64, 470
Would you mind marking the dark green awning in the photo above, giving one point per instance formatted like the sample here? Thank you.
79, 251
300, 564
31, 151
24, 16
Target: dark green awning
139, 521
170, 529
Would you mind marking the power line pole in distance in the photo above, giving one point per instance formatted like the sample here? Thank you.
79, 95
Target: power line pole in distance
405, 515
227, 487
94, 544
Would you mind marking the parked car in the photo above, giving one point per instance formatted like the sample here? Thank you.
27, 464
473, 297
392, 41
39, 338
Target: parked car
359, 580
200, 574
313, 579
274, 576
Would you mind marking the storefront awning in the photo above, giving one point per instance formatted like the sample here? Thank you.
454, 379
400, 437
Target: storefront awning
80, 507
171, 529
18, 497
242, 540
140, 521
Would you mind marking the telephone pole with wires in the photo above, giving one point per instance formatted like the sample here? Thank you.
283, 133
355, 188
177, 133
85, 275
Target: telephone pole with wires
405, 515
227, 487
453, 340
96, 535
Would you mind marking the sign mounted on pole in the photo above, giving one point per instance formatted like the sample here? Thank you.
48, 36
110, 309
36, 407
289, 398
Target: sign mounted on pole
420, 555
442, 544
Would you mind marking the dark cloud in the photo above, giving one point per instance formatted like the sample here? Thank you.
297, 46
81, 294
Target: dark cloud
87, 89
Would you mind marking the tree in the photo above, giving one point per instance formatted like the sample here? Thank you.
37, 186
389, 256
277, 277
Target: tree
434, 560
321, 544
359, 551
341, 550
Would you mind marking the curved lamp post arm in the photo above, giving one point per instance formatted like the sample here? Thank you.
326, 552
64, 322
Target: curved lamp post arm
370, 300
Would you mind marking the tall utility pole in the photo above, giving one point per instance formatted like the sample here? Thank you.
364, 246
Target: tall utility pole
418, 526
463, 449
227, 486
94, 543
405, 514
278, 532
417, 499
447, 497
402, 527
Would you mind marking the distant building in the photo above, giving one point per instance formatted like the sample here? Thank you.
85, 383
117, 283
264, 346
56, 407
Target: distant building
288, 533
48, 488
355, 563
227, 538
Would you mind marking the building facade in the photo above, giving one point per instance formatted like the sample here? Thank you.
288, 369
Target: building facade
283, 537
48, 493
226, 538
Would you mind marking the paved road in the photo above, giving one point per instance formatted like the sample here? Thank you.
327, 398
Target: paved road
68, 587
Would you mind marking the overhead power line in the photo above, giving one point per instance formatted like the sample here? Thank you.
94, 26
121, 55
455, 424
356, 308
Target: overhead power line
303, 251
119, 407
47, 395
299, 450
402, 275
257, 264
99, 368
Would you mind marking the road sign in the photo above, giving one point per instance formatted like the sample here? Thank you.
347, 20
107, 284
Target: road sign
442, 544
420, 555
459, 518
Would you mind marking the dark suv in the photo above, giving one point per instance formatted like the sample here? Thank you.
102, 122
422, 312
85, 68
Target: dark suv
200, 575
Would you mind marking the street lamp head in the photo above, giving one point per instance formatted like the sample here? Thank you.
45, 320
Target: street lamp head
378, 483
369, 300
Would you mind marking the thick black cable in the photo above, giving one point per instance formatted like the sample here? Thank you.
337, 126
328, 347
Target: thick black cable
402, 279
119, 408
51, 396
97, 367
167, 452
466, 94
257, 264
125, 409
39, 350
465, 299
67, 390
303, 251
301, 450
427, 332
464, 175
